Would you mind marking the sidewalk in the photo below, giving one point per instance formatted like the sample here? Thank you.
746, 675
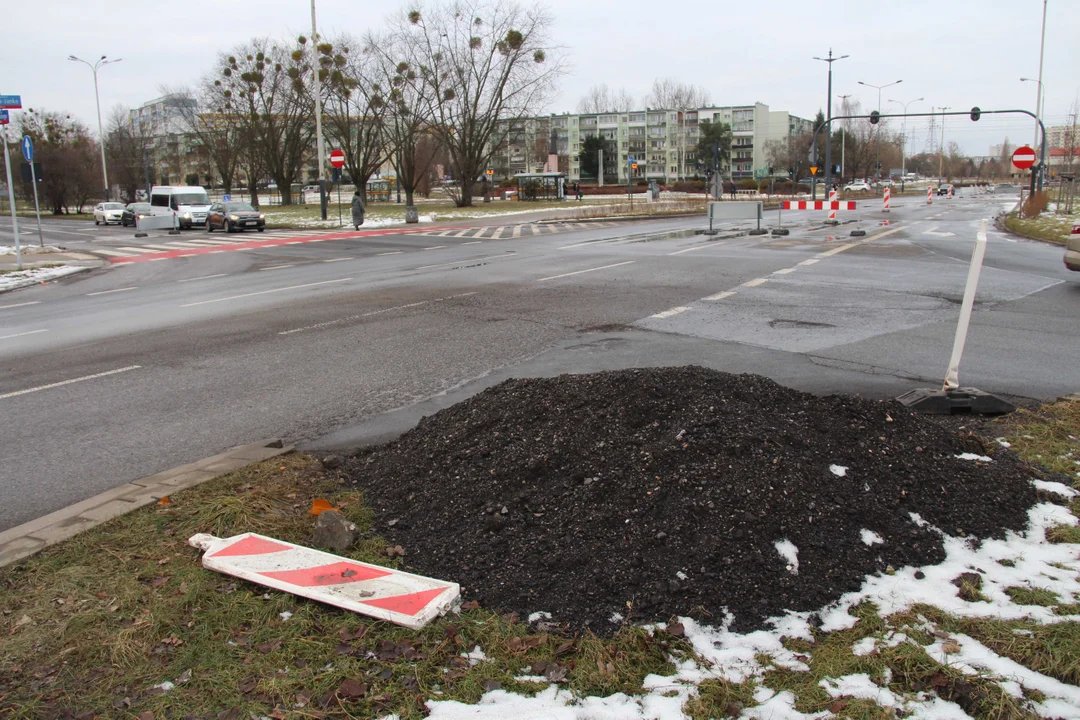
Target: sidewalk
41, 267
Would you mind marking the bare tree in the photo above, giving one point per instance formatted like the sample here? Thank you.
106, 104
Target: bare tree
408, 137
602, 99
69, 157
126, 149
485, 63
263, 85
203, 114
354, 103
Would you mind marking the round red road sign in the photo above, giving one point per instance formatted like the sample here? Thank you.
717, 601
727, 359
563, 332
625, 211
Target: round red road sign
1024, 157
337, 159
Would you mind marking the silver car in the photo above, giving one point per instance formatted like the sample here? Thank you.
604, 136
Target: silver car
1072, 249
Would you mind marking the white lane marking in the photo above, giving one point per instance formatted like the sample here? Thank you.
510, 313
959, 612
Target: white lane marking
32, 332
670, 313
5, 307
580, 272
267, 292
810, 262
106, 292
111, 253
467, 260
138, 249
296, 242
474, 242
337, 259
203, 277
785, 271
721, 295
69, 382
160, 247
755, 283
517, 232
373, 312
436, 247
835, 250
584, 243
395, 252
277, 267
691, 249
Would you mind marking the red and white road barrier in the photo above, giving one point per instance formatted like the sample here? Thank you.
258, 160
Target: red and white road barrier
383, 593
832, 199
817, 205
950, 193
929, 196
887, 194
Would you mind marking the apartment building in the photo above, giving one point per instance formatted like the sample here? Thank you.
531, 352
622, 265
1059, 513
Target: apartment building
173, 152
662, 142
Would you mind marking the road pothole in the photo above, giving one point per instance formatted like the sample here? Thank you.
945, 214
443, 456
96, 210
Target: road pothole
782, 324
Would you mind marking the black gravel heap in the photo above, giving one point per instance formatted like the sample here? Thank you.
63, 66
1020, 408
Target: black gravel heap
657, 492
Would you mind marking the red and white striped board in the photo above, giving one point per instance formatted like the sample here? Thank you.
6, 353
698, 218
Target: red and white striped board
832, 199
817, 205
929, 196
887, 194
383, 593
950, 194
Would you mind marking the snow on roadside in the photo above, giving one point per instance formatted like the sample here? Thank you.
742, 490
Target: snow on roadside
1033, 562
31, 249
22, 278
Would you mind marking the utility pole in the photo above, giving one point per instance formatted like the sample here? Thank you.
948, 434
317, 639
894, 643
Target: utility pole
941, 150
318, 114
1040, 99
828, 122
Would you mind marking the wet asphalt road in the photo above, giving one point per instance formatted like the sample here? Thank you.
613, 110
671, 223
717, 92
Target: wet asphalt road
315, 341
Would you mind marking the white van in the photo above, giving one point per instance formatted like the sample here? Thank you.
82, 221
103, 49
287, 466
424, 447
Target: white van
188, 203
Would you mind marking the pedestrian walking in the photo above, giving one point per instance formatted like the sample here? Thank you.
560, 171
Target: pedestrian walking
357, 209
732, 188
577, 191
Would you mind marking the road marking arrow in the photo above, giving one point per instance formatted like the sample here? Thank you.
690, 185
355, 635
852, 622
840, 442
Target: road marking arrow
938, 234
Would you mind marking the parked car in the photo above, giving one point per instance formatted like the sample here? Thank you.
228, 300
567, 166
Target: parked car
886, 182
135, 211
108, 212
857, 186
1072, 249
234, 216
944, 188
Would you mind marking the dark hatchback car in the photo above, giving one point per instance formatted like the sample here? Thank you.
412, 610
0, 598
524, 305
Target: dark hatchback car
133, 212
234, 217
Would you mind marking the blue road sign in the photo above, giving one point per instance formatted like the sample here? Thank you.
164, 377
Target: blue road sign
28, 148
631, 158
13, 102
226, 198
3, 117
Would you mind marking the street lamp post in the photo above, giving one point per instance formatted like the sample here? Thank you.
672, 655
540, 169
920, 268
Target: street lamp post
1040, 99
877, 140
843, 137
102, 62
903, 139
941, 149
828, 133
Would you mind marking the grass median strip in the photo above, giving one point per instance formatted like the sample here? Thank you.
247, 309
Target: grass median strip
123, 621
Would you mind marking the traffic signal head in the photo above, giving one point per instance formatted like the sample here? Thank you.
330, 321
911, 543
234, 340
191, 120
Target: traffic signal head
770, 169
976, 113
791, 172
875, 117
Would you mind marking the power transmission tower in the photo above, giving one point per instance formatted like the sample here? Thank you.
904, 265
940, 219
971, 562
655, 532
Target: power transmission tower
931, 134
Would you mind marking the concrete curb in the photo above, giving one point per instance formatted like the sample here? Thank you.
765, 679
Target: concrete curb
26, 539
32, 281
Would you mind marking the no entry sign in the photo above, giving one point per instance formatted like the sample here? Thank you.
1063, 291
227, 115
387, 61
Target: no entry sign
1024, 157
337, 159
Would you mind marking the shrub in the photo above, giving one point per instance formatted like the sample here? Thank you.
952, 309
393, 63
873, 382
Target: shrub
1036, 204
746, 184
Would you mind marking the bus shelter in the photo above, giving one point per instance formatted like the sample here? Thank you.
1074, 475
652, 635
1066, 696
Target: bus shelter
541, 186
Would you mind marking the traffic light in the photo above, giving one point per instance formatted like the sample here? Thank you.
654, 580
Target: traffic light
875, 117
791, 172
770, 169
976, 113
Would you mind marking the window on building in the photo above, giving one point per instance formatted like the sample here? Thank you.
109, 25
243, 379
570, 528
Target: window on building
609, 119
637, 117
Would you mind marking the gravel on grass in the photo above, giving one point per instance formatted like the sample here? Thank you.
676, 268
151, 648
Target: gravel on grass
637, 495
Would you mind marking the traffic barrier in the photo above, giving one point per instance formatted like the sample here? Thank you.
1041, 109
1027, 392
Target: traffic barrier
832, 199
383, 593
886, 208
817, 205
929, 196
949, 196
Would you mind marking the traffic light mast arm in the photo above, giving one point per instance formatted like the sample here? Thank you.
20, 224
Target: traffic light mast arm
1042, 127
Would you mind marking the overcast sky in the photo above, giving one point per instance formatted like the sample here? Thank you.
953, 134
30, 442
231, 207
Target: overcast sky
956, 53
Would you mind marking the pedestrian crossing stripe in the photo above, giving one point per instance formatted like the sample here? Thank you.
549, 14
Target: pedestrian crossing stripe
509, 232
